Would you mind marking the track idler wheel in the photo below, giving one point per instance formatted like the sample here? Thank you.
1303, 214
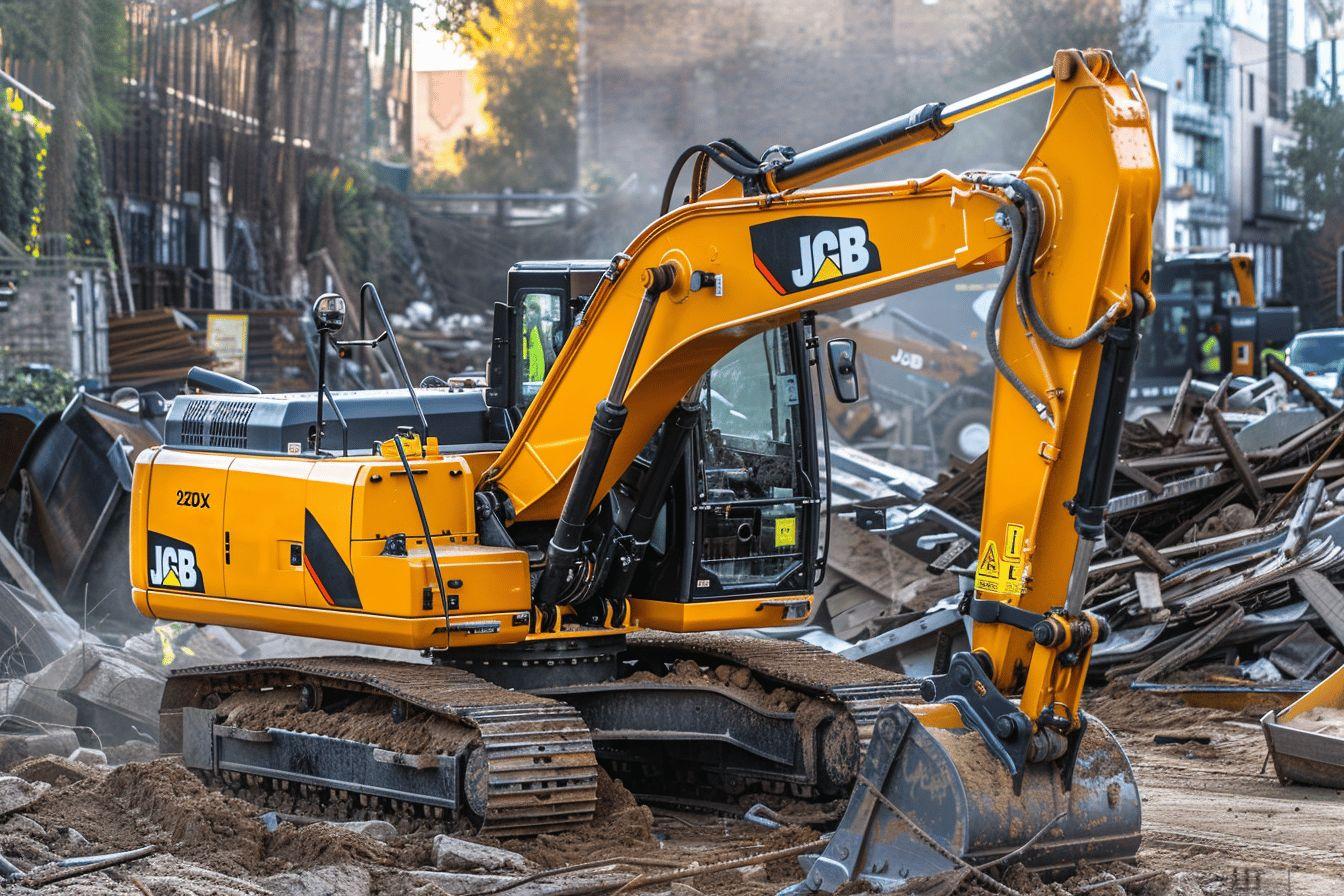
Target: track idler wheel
930, 801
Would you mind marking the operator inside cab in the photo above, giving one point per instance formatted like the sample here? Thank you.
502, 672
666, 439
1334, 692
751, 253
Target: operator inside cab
540, 333
1211, 349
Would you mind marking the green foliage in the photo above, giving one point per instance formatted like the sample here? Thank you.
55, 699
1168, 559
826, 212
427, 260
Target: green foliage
47, 389
343, 202
456, 16
23, 182
33, 151
1316, 166
1316, 163
88, 225
46, 33
526, 65
13, 217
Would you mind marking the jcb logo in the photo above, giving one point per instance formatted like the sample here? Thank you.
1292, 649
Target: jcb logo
913, 360
172, 564
794, 254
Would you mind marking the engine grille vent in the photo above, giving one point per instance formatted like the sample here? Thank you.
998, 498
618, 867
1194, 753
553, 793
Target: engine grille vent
216, 424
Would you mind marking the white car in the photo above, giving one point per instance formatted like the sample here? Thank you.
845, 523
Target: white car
1318, 355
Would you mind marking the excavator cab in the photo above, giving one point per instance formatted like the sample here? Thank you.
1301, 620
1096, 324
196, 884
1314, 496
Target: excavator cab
742, 511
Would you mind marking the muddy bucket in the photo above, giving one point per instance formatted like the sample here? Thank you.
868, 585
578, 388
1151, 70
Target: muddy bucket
933, 802
1306, 740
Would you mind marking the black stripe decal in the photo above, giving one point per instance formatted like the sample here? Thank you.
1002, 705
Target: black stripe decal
327, 567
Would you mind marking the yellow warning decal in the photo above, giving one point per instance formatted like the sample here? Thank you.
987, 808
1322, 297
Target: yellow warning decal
786, 532
987, 570
1001, 573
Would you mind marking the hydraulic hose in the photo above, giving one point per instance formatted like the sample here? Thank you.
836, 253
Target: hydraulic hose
726, 156
1035, 215
565, 562
1015, 254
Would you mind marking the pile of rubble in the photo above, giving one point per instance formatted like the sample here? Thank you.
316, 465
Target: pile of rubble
1221, 572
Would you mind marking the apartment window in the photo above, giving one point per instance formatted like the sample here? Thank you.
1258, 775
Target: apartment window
1204, 78
1197, 161
1250, 91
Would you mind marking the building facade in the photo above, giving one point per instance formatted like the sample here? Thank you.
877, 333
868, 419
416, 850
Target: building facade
1231, 68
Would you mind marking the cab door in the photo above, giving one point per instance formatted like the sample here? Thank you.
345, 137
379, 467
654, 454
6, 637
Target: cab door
756, 496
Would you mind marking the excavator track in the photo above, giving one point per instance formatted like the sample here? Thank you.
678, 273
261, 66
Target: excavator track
864, 690
514, 763
725, 745
524, 766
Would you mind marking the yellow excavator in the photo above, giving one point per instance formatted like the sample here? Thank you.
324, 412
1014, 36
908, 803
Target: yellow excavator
568, 546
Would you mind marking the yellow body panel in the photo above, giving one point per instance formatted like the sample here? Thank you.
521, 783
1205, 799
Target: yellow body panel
249, 529
256, 554
708, 616
1329, 694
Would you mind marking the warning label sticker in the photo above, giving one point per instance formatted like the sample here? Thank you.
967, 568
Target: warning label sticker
987, 570
1001, 572
786, 532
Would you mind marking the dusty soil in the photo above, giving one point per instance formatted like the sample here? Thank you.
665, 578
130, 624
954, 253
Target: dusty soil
729, 677
368, 720
1321, 719
1214, 810
1213, 823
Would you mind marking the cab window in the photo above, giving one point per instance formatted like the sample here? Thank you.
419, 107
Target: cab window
750, 473
538, 337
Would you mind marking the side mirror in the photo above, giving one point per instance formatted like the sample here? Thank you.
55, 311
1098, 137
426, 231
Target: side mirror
329, 313
844, 375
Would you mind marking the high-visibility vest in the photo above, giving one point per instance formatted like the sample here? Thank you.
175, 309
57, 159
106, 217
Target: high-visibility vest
1211, 355
1269, 352
535, 355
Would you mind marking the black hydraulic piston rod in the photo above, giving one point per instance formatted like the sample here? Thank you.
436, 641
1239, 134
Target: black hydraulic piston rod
1102, 447
677, 431
564, 561
920, 125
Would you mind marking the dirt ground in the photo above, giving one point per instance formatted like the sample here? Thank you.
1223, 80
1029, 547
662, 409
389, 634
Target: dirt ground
1213, 823
1211, 810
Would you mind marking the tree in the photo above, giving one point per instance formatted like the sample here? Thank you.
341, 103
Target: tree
526, 60
455, 16
1316, 163
1316, 166
82, 46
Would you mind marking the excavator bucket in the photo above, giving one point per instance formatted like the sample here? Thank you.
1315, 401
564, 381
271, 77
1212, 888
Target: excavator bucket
1306, 740
933, 805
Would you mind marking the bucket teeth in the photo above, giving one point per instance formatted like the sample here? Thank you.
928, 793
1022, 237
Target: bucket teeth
933, 801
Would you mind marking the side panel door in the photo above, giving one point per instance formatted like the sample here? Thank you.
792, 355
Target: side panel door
185, 543
757, 497
263, 522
